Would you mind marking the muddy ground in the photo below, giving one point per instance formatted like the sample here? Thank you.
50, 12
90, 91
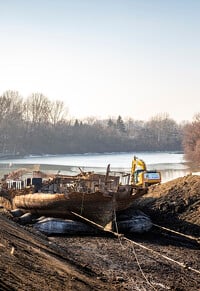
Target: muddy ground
175, 204
158, 260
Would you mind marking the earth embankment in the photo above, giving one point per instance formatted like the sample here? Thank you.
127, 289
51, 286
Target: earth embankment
175, 204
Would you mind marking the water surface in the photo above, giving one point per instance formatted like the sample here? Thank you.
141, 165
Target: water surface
171, 164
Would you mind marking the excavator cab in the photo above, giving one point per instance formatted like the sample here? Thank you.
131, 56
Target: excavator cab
140, 176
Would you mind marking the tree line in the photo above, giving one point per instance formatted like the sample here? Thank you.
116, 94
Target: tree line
191, 141
37, 125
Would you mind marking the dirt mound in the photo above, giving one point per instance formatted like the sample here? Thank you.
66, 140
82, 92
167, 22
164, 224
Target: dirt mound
175, 204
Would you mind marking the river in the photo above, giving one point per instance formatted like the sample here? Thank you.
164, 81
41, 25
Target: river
171, 164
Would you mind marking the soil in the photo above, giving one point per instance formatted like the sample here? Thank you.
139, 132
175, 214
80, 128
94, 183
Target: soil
157, 260
175, 204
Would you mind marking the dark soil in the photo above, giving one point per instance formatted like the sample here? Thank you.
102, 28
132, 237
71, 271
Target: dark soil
175, 204
32, 261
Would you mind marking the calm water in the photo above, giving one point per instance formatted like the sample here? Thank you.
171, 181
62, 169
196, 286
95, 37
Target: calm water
171, 164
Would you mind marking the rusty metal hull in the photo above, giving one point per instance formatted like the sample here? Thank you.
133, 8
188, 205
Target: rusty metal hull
126, 195
98, 207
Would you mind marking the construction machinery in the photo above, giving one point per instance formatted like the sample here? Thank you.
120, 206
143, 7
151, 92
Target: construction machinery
140, 176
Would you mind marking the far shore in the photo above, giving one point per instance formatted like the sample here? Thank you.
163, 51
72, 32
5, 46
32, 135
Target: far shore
7, 168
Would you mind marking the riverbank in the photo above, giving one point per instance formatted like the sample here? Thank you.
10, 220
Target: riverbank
157, 260
31, 261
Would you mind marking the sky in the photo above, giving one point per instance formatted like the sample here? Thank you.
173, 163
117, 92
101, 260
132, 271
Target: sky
104, 58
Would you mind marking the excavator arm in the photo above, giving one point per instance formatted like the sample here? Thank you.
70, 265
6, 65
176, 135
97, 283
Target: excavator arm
137, 164
140, 176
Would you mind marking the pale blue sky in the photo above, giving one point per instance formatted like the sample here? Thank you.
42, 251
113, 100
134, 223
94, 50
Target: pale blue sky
104, 58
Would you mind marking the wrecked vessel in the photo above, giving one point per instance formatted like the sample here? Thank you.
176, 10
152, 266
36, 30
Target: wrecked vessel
96, 197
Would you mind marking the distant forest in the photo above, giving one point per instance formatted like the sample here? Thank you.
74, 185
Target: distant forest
37, 125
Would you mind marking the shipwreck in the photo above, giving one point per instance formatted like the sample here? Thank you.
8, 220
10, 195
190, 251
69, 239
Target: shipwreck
91, 197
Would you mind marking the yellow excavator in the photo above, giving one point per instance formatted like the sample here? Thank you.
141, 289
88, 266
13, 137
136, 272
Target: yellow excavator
140, 176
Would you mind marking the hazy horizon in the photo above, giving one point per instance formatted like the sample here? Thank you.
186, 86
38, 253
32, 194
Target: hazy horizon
103, 58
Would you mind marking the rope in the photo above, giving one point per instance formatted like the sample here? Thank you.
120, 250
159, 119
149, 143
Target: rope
178, 233
150, 250
81, 210
134, 252
118, 235
163, 256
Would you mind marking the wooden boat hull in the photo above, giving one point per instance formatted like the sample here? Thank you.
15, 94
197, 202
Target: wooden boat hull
126, 195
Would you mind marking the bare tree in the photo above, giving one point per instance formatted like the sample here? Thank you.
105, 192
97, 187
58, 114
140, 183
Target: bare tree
37, 108
10, 121
191, 140
10, 105
58, 112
